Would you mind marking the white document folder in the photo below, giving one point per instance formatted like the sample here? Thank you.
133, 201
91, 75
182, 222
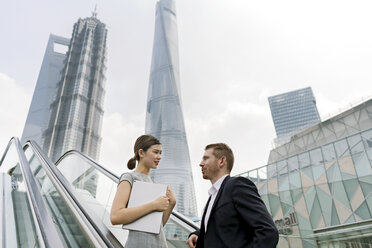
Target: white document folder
142, 193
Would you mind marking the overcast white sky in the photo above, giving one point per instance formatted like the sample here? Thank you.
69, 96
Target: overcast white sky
233, 55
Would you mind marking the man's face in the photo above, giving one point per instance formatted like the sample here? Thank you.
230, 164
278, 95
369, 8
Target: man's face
209, 165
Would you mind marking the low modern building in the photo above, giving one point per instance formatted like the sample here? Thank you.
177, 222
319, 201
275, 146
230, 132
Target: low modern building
318, 186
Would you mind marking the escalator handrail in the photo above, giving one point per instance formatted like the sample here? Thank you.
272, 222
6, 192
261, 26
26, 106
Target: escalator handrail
115, 178
3, 214
104, 233
6, 150
44, 220
105, 171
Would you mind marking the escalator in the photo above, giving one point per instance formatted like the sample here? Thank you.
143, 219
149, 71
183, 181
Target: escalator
68, 205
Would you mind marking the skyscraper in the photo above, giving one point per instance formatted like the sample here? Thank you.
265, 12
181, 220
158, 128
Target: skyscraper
45, 90
292, 112
164, 117
77, 111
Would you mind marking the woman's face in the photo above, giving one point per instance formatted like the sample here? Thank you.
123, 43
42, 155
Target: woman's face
152, 156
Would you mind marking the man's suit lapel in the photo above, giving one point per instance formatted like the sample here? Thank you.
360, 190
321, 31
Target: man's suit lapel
216, 200
204, 213
200, 242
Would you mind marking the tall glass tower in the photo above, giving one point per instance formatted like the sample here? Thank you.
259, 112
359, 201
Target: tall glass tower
45, 90
77, 112
292, 112
164, 117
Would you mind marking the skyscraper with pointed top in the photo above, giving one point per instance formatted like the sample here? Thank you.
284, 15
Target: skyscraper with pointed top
164, 117
77, 111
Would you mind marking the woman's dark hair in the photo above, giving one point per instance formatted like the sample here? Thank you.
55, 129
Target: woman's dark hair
143, 142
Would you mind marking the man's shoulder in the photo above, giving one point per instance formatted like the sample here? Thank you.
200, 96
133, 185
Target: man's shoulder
239, 179
238, 186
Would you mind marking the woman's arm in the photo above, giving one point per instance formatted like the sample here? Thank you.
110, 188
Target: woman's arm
120, 214
172, 203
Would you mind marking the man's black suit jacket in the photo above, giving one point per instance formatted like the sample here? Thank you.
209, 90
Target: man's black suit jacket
238, 218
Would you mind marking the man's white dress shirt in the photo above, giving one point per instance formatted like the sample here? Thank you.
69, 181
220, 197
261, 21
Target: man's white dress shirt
213, 191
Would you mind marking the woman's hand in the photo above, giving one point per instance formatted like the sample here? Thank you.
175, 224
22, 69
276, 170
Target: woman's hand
161, 204
172, 203
171, 196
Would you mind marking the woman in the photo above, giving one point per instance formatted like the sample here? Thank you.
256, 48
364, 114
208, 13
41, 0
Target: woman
147, 151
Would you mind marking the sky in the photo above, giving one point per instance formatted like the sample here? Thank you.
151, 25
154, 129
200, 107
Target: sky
233, 55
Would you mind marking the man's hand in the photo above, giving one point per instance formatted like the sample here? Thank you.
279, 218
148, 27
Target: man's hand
191, 242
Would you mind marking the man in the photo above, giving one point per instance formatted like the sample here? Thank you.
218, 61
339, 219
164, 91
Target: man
235, 215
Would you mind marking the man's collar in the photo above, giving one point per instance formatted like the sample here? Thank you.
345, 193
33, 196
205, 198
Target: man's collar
217, 185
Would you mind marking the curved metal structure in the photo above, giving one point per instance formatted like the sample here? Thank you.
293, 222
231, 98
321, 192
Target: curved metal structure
175, 216
17, 166
64, 206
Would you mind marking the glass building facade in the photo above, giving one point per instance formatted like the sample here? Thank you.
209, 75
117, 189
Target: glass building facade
164, 117
45, 90
77, 111
293, 111
319, 189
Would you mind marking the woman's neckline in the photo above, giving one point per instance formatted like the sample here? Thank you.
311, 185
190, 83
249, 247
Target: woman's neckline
141, 173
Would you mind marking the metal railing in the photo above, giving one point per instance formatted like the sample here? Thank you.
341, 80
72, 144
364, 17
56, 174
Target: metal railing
43, 219
92, 225
174, 216
346, 107
46, 231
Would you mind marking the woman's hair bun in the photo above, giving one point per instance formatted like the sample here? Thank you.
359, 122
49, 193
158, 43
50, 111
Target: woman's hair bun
131, 163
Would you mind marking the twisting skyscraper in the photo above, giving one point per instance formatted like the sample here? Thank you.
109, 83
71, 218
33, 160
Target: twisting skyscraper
164, 118
77, 112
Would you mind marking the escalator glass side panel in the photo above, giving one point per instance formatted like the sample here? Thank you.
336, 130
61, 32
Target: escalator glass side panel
95, 190
8, 237
68, 227
19, 215
174, 231
82, 173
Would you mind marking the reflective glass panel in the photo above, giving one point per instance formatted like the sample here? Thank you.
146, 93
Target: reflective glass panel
367, 138
342, 148
282, 167
362, 165
253, 175
262, 173
20, 218
292, 163
329, 153
68, 227
81, 173
316, 156
271, 170
94, 187
294, 180
304, 160
356, 144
